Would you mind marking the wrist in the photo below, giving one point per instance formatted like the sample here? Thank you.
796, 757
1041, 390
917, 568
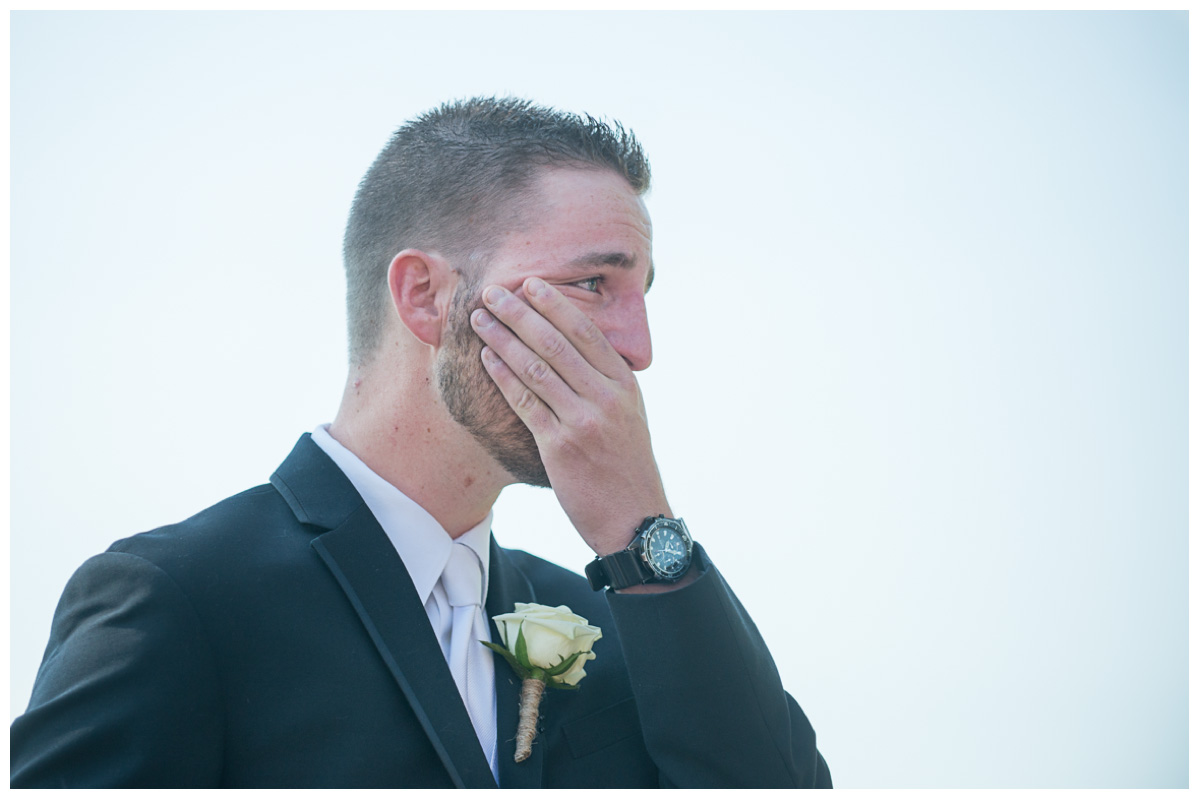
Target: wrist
618, 529
659, 555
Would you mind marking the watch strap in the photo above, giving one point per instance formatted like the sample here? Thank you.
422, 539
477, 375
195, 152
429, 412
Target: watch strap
617, 570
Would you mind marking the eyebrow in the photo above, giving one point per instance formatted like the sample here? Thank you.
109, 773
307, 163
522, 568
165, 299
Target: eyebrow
622, 260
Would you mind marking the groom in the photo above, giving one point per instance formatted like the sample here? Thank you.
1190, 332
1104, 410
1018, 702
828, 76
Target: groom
322, 629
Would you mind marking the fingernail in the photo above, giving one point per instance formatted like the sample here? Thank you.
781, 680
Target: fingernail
489, 355
481, 318
493, 295
535, 286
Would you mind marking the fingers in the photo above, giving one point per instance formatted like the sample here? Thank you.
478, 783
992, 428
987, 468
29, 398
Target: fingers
589, 341
527, 382
523, 400
558, 332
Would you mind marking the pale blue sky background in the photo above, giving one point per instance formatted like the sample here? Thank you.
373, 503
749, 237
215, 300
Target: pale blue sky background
920, 381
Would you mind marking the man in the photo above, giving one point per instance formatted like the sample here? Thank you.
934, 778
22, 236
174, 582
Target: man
309, 632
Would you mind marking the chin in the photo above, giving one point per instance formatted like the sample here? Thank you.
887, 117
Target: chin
528, 474
512, 446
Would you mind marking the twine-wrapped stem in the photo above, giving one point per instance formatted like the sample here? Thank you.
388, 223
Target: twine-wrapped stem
531, 699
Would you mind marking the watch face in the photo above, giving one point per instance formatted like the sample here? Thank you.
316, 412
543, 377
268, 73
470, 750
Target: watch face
667, 551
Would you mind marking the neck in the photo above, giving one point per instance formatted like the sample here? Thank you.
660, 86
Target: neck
400, 429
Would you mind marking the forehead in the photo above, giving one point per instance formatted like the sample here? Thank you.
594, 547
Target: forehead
576, 216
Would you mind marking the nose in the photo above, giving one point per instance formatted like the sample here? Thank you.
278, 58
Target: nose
628, 331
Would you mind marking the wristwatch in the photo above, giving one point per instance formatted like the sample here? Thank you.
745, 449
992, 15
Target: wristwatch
661, 552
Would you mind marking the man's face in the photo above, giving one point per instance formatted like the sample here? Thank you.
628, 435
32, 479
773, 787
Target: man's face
587, 234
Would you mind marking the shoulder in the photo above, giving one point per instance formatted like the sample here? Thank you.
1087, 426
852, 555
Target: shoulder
246, 548
245, 525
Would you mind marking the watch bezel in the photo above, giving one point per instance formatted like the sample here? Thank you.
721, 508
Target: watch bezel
642, 544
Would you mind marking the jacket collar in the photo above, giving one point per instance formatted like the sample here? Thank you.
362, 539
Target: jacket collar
365, 564
316, 490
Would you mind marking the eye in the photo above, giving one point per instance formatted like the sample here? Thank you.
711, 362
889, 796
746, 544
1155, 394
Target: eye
590, 284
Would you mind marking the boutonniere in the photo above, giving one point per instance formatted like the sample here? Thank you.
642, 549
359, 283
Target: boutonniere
546, 647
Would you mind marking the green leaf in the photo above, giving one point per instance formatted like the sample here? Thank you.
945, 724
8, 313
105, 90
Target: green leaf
564, 665
522, 673
522, 650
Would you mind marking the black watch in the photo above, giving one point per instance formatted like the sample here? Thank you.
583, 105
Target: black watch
661, 552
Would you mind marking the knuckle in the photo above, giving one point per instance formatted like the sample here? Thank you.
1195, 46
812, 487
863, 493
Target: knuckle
527, 402
537, 371
553, 345
588, 426
587, 332
569, 447
607, 401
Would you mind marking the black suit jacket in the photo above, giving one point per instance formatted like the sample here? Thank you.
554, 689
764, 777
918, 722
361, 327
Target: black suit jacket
276, 640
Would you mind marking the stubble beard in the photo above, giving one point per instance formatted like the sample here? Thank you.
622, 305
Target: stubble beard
475, 402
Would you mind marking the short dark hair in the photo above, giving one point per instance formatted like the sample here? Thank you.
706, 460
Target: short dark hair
448, 178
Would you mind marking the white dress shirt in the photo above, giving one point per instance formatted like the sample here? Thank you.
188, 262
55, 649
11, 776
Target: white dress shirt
424, 546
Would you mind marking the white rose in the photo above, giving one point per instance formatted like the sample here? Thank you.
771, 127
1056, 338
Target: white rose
551, 635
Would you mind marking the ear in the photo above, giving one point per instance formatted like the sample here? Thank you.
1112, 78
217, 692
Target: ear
421, 285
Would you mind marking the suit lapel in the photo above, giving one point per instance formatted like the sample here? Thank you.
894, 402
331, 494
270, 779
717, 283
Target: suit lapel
366, 566
508, 585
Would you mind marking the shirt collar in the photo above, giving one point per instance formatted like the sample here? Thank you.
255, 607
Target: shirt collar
420, 540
